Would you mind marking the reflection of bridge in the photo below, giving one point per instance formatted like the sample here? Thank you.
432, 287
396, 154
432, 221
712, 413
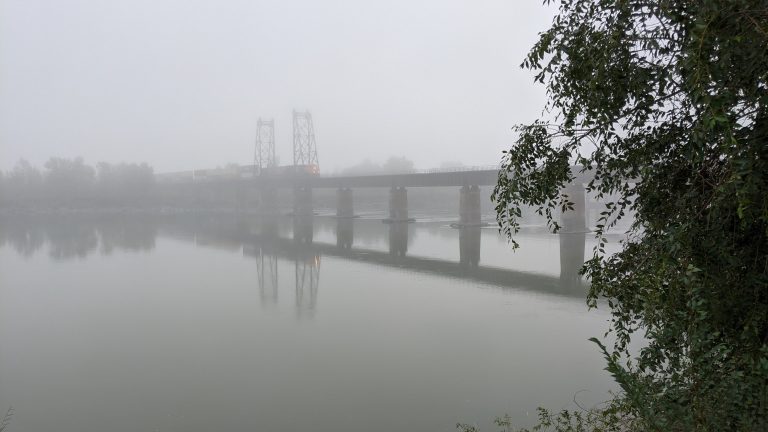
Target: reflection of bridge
266, 246
268, 242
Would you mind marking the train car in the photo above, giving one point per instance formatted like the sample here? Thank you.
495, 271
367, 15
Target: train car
291, 171
246, 171
175, 177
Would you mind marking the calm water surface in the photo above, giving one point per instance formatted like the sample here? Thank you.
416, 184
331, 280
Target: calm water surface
203, 323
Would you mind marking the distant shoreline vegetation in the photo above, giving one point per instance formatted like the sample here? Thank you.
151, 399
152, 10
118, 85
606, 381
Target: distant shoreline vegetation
72, 184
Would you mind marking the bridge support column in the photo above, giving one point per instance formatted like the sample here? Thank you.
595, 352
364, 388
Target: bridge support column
398, 205
575, 221
241, 198
303, 229
469, 206
344, 203
302, 201
269, 226
268, 201
571, 259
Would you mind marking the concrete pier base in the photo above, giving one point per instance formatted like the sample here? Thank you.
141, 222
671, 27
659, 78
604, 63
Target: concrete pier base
571, 258
398, 206
302, 201
268, 203
575, 221
469, 207
303, 229
344, 203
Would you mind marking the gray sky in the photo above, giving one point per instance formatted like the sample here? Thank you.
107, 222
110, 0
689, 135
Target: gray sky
180, 83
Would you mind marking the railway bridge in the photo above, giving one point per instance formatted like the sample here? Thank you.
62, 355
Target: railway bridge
302, 177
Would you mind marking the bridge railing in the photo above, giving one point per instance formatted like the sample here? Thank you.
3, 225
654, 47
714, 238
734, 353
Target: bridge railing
214, 175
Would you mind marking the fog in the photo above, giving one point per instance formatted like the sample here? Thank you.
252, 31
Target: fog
153, 279
180, 84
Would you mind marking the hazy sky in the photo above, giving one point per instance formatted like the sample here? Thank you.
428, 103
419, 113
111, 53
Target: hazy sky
181, 83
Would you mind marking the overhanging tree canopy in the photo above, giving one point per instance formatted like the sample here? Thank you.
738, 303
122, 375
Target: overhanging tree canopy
667, 103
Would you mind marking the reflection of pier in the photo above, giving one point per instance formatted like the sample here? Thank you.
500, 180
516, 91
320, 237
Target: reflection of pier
306, 254
266, 267
68, 237
469, 246
307, 270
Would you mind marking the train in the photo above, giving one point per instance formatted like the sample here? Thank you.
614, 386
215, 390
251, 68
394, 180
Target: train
237, 172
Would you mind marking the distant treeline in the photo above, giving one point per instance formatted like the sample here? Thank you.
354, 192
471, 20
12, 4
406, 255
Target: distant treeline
71, 183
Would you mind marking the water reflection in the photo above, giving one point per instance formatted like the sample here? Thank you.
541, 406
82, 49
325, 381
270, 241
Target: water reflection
398, 238
303, 228
307, 270
345, 233
266, 270
71, 236
24, 238
270, 240
469, 246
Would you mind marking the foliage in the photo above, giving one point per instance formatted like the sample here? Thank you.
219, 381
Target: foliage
393, 165
664, 105
6, 419
610, 418
24, 180
397, 165
125, 182
73, 183
68, 179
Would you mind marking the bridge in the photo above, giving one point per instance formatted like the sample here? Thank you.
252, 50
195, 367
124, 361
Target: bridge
264, 178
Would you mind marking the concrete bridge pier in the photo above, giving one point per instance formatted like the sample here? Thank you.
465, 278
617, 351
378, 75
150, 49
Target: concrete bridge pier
302, 201
268, 201
469, 206
269, 226
398, 205
241, 197
303, 229
344, 203
575, 221
571, 258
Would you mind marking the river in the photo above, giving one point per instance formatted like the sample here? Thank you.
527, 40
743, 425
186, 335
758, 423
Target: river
234, 323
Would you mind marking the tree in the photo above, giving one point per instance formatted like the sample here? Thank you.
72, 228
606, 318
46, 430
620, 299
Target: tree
23, 183
397, 165
666, 104
126, 183
393, 165
69, 181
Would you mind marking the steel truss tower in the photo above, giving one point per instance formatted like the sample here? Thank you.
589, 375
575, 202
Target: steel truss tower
264, 155
304, 146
